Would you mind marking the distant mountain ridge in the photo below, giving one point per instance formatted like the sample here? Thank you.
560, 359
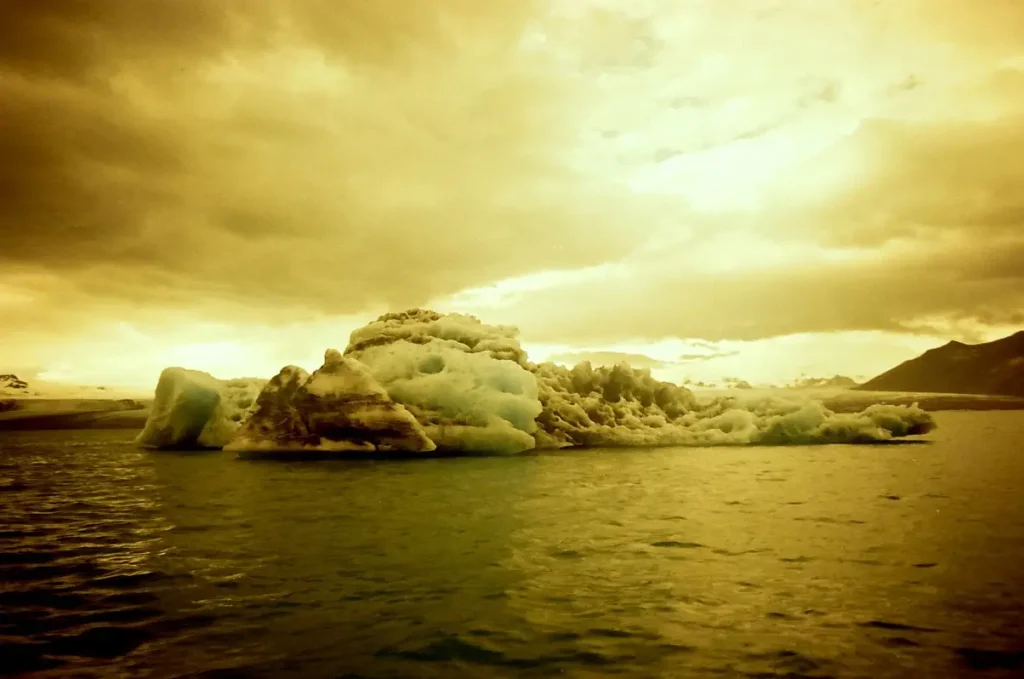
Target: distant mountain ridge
14, 387
995, 368
835, 381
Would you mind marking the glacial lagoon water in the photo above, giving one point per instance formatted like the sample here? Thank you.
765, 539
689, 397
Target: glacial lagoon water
827, 561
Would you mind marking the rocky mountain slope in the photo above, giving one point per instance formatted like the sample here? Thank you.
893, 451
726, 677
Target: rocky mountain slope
956, 368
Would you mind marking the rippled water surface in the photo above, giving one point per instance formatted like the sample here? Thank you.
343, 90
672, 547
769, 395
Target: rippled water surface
750, 562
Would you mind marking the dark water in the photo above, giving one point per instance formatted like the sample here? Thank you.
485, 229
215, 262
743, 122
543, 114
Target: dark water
885, 561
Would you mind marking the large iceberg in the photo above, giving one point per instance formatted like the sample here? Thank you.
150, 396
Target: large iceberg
473, 388
419, 381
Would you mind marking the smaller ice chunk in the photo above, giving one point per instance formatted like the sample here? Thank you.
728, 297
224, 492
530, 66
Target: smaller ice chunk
340, 407
274, 422
192, 408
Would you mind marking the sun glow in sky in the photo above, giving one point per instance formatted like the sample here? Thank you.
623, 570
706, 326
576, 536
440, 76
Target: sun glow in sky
733, 188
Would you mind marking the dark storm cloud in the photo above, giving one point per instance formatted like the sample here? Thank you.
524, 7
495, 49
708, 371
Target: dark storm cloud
887, 295
928, 180
316, 155
280, 160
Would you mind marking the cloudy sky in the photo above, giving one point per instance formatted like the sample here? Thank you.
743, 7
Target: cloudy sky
753, 188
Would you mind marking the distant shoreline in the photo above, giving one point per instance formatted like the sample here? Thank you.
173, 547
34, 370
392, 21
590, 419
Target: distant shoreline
40, 414
931, 403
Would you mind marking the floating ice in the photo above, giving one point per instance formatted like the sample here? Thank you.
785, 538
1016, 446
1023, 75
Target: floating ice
193, 408
339, 407
463, 380
620, 406
418, 380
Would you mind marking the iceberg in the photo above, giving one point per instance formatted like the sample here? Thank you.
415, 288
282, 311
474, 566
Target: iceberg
340, 407
192, 408
464, 381
273, 419
420, 381
621, 406
474, 389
